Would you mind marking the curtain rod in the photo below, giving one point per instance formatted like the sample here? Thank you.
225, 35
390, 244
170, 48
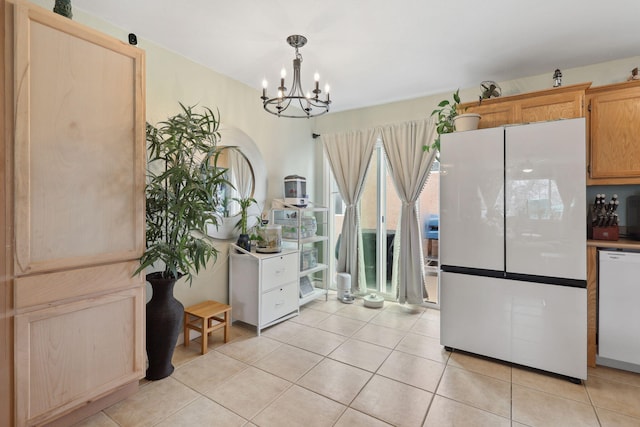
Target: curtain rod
317, 135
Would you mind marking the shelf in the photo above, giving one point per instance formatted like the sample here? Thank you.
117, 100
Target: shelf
313, 295
312, 219
237, 250
318, 267
305, 240
311, 207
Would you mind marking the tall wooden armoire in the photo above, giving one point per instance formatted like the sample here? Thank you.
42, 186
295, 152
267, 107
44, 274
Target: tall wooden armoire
72, 211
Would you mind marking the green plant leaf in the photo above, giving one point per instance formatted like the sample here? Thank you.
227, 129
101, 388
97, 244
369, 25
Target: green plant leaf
445, 113
180, 192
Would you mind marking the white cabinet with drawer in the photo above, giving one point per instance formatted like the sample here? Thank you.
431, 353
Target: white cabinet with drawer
263, 288
279, 302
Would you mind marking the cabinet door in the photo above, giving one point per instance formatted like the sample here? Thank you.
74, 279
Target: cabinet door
79, 145
279, 302
72, 353
614, 129
494, 115
552, 107
279, 270
78, 179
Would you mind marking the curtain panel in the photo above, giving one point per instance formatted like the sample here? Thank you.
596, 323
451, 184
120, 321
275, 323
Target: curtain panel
409, 166
349, 155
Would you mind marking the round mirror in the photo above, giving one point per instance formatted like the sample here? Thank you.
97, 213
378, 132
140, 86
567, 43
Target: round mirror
240, 178
246, 173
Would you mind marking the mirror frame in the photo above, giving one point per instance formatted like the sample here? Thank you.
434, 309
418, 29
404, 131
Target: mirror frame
234, 137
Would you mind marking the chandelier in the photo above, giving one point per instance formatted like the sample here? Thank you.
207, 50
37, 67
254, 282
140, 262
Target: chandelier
309, 105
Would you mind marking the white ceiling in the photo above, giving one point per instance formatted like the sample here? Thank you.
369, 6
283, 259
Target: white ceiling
377, 51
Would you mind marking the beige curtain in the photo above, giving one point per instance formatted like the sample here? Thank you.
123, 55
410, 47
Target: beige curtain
349, 155
409, 166
241, 173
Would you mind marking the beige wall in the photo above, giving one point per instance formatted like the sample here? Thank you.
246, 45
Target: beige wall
286, 145
420, 108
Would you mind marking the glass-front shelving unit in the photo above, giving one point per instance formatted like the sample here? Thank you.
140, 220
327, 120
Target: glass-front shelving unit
305, 228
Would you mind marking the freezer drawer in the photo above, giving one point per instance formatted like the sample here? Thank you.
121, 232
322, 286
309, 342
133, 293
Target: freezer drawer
618, 312
537, 325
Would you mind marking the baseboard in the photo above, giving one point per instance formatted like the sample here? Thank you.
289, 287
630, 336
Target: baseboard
93, 407
617, 364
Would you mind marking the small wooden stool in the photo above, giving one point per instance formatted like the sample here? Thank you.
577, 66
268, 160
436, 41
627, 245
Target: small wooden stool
206, 312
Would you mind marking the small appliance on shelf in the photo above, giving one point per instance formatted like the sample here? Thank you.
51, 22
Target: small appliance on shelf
295, 191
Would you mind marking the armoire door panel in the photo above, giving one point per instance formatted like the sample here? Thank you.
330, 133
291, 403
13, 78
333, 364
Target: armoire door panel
78, 145
71, 353
76, 107
35, 290
6, 219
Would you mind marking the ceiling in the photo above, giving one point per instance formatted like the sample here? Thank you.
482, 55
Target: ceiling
377, 51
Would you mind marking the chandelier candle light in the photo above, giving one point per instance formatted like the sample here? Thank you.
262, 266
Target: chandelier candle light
310, 106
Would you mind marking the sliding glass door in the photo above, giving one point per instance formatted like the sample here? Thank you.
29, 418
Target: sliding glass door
379, 212
379, 220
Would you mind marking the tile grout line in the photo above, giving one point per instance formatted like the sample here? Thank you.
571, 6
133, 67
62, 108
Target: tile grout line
404, 333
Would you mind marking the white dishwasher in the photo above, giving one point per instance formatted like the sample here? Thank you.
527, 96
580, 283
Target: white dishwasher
619, 310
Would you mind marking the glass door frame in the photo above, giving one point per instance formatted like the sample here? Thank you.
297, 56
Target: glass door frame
329, 192
381, 223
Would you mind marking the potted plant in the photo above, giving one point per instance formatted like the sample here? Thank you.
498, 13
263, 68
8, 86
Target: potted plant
445, 113
243, 240
256, 233
180, 200
449, 118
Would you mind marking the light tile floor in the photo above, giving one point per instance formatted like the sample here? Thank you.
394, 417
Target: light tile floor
347, 365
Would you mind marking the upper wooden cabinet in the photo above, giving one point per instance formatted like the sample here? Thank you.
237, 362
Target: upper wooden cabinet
614, 134
565, 102
492, 114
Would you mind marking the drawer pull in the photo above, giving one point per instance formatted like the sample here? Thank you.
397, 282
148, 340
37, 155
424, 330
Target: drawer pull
281, 302
281, 271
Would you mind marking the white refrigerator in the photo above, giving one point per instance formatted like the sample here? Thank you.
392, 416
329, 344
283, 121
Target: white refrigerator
513, 244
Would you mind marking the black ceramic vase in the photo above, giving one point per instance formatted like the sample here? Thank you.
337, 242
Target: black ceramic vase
164, 320
244, 242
